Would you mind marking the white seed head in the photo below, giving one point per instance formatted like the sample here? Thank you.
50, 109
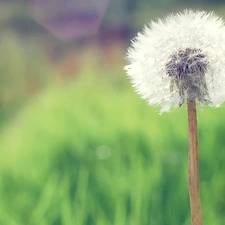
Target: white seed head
178, 58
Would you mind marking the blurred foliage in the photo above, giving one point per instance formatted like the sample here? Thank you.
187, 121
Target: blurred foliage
18, 14
91, 152
78, 146
21, 74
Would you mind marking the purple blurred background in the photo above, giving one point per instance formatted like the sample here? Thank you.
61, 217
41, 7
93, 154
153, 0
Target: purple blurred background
67, 19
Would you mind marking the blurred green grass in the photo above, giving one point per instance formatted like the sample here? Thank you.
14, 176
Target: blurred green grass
91, 152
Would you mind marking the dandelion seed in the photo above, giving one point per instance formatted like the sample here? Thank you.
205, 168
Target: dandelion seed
187, 70
180, 58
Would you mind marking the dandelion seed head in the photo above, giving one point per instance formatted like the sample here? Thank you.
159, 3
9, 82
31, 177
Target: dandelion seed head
187, 70
178, 58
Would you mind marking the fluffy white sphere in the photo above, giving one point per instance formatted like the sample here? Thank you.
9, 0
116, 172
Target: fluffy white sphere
168, 55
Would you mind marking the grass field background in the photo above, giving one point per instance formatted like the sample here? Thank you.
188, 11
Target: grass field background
86, 150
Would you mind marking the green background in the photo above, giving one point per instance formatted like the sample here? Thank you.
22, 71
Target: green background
79, 147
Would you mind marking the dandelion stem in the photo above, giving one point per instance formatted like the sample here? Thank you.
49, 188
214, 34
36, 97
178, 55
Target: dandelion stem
193, 174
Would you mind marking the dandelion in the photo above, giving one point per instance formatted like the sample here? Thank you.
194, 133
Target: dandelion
177, 59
